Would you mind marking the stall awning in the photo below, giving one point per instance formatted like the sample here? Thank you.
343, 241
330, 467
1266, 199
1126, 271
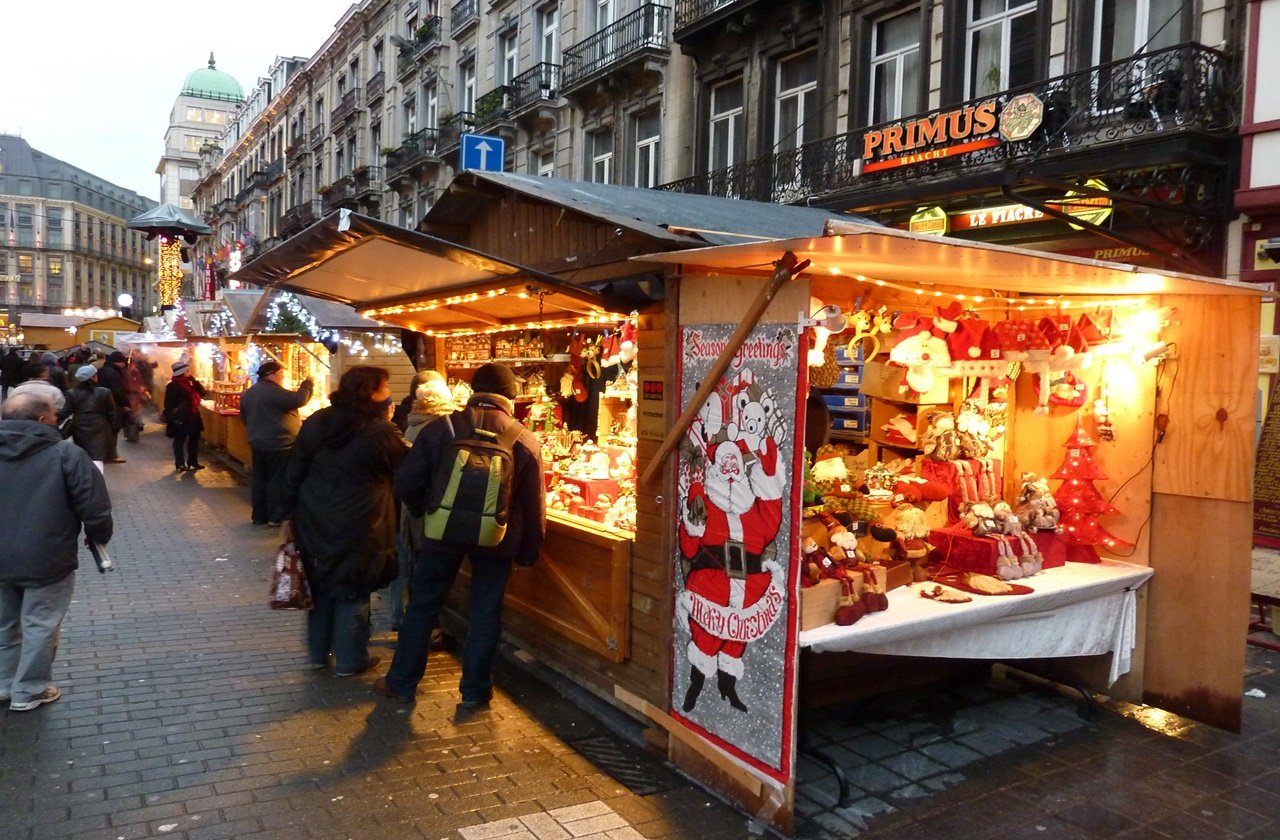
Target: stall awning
916, 262
418, 281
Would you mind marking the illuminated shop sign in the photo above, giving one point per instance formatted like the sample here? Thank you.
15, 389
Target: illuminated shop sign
1088, 208
931, 221
924, 139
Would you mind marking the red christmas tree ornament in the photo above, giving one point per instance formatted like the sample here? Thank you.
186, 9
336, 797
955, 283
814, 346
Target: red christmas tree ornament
1081, 503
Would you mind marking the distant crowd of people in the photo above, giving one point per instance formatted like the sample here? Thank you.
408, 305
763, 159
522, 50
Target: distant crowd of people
97, 398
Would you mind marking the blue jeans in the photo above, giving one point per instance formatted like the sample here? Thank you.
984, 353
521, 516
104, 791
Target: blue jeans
433, 576
30, 620
339, 627
398, 588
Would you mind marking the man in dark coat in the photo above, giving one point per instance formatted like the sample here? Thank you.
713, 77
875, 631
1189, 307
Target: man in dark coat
95, 421
182, 420
271, 419
10, 371
49, 489
490, 408
111, 377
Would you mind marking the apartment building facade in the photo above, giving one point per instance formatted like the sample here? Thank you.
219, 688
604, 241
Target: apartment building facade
64, 240
1103, 128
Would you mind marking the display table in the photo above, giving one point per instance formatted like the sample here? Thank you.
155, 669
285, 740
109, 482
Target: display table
1079, 609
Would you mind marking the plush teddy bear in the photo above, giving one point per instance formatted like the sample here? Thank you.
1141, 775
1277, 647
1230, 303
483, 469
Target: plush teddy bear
941, 440
1027, 557
979, 518
1037, 510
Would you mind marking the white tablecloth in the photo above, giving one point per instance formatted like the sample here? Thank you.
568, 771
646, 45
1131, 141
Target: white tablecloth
1078, 609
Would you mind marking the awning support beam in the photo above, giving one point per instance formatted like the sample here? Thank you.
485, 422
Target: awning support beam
786, 269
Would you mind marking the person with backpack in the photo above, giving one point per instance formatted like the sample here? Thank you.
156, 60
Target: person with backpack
475, 475
341, 514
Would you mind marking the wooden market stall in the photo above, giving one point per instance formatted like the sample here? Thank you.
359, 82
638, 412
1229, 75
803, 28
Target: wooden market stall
1143, 424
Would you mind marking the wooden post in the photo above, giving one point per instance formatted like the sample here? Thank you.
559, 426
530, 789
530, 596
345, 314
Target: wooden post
787, 268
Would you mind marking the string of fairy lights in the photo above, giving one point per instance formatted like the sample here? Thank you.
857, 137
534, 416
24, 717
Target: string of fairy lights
285, 306
409, 309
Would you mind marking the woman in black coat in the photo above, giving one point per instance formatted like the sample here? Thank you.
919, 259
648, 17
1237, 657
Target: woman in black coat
182, 420
95, 420
337, 494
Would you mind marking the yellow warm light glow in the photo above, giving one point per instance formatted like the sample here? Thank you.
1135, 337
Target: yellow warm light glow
169, 283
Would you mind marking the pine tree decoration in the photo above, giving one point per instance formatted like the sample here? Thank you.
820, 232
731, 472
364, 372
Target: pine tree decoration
1080, 502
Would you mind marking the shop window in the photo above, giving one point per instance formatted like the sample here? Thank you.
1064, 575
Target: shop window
26, 264
647, 130
895, 76
1000, 46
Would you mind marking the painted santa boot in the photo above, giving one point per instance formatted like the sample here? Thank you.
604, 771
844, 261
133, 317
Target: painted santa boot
696, 681
727, 683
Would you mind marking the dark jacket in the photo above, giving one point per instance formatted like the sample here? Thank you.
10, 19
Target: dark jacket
48, 489
526, 523
180, 416
270, 414
337, 491
112, 378
11, 369
96, 419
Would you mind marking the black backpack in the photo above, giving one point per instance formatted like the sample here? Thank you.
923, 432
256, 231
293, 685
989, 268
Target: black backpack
471, 491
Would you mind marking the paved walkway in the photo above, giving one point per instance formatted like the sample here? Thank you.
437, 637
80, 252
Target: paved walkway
186, 712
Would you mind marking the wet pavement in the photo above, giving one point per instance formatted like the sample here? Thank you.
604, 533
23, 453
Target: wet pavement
187, 712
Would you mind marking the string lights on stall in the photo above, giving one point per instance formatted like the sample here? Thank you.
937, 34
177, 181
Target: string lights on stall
222, 322
539, 324
285, 307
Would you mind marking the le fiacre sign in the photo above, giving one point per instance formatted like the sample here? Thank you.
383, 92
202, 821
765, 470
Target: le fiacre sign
1094, 209
950, 133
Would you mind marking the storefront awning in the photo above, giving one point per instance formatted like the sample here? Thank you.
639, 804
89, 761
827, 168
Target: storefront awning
418, 281
916, 262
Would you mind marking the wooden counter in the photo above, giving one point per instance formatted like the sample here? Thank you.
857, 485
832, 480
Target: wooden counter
237, 440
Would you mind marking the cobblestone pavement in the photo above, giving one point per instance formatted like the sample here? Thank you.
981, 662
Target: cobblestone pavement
187, 712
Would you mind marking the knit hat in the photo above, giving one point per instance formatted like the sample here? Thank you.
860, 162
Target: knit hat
86, 372
180, 368
116, 356
494, 378
267, 368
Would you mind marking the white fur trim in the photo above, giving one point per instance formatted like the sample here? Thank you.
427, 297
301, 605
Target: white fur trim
706, 663
731, 665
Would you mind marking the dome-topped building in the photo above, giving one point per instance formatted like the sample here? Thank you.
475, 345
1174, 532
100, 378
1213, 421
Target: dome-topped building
212, 83
207, 102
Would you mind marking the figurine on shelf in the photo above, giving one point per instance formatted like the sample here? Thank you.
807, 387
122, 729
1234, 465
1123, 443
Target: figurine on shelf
941, 440
911, 545
979, 518
1037, 509
973, 428
1015, 542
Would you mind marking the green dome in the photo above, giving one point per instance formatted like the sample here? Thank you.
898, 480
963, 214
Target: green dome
211, 83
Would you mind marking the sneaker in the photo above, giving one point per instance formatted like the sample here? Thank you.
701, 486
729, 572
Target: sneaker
380, 687
371, 662
47, 696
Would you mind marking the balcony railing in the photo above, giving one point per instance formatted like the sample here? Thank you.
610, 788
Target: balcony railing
644, 30
346, 107
540, 82
226, 207
462, 15
453, 126
368, 180
417, 148
426, 38
300, 215
1184, 89
267, 175
317, 134
376, 86
340, 191
492, 106
297, 146
689, 12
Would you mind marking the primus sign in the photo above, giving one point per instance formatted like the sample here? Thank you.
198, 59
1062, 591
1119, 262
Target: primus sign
932, 137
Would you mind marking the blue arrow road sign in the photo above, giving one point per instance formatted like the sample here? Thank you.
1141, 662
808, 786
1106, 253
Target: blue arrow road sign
480, 151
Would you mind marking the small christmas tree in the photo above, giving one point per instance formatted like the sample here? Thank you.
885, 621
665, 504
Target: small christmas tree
1080, 502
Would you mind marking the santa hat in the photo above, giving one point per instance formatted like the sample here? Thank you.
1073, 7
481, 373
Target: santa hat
945, 319
966, 341
627, 335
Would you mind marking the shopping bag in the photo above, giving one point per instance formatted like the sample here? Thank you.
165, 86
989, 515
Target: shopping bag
289, 589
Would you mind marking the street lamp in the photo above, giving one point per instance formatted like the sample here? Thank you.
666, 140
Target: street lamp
126, 302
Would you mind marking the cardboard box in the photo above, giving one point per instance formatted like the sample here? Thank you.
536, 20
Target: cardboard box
818, 604
880, 379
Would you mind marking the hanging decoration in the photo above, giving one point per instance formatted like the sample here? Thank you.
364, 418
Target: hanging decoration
169, 271
1080, 502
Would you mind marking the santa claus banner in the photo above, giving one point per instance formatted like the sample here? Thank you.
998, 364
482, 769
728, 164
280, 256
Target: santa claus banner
737, 505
